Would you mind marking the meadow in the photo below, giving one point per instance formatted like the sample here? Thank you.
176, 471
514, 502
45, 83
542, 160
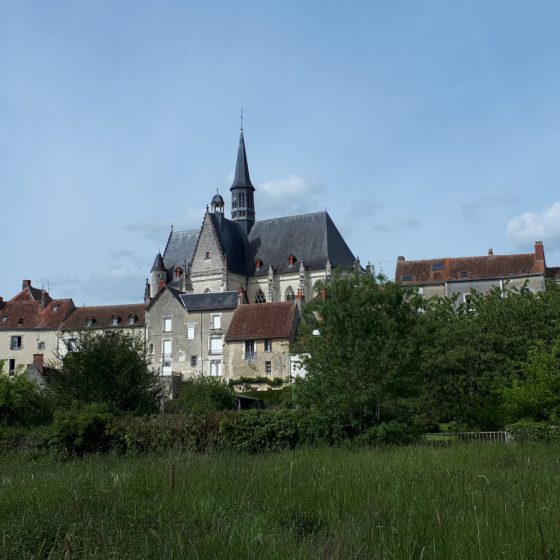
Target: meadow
457, 502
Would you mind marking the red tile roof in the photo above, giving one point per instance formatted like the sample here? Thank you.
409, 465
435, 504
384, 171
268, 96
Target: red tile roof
437, 271
102, 316
34, 309
257, 321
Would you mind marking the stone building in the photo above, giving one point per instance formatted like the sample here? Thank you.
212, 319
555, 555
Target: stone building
186, 331
258, 342
272, 260
448, 276
30, 327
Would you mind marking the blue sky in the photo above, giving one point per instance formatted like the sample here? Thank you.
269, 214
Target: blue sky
426, 129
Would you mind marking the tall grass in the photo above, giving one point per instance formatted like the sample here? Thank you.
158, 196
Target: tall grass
479, 502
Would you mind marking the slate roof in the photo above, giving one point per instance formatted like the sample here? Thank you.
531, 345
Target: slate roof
488, 267
158, 265
209, 301
242, 178
257, 321
180, 247
312, 238
232, 242
26, 312
103, 316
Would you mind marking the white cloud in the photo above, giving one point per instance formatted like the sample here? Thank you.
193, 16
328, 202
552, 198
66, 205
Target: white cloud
537, 226
292, 195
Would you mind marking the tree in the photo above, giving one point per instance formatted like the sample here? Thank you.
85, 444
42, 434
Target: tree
22, 402
361, 368
202, 395
107, 367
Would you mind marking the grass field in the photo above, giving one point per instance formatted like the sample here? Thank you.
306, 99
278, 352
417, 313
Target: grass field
480, 502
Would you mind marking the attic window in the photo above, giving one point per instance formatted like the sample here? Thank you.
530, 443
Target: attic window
464, 274
115, 320
207, 256
20, 321
90, 321
132, 319
406, 278
55, 308
4, 319
437, 266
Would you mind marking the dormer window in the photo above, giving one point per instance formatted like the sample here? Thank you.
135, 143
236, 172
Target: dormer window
291, 260
178, 272
89, 321
258, 264
115, 320
132, 319
464, 274
437, 266
207, 256
55, 308
20, 321
4, 319
406, 278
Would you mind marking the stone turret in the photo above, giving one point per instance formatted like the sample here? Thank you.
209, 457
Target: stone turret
158, 275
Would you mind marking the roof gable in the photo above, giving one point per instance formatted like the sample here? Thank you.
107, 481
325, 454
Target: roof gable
256, 321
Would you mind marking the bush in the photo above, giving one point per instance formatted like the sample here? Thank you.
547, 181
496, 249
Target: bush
22, 402
83, 428
528, 430
16, 439
388, 433
261, 430
202, 395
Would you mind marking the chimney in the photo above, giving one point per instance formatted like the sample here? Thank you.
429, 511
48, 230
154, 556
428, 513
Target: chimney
258, 264
291, 260
300, 298
26, 284
400, 258
240, 296
490, 252
1, 302
539, 251
43, 299
38, 362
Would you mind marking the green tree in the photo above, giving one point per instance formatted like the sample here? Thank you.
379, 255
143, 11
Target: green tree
202, 395
107, 367
22, 402
361, 368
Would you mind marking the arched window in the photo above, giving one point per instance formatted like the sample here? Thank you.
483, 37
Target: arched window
290, 295
259, 298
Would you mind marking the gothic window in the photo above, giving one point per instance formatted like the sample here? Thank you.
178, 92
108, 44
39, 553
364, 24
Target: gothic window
290, 295
259, 298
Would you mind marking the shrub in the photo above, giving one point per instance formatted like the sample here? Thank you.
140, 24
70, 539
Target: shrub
388, 433
22, 402
16, 439
202, 395
83, 428
528, 430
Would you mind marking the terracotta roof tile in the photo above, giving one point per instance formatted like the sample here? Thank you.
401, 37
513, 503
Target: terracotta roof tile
256, 321
29, 314
102, 316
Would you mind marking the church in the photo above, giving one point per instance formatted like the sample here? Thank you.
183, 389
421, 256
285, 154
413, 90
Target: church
278, 259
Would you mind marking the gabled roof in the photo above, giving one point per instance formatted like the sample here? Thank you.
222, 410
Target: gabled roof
209, 301
180, 248
488, 267
231, 242
102, 316
312, 238
34, 309
256, 321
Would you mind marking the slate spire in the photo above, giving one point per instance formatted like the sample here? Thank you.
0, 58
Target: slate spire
158, 265
242, 199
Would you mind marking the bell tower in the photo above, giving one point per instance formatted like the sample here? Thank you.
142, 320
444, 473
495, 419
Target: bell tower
242, 199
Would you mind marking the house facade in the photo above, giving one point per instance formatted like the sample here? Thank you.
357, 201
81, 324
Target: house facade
30, 327
186, 331
446, 277
258, 342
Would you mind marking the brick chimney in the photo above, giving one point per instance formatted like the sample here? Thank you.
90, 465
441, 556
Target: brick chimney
240, 296
539, 251
400, 258
26, 284
490, 252
1, 302
38, 362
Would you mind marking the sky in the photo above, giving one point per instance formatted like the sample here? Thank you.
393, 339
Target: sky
425, 129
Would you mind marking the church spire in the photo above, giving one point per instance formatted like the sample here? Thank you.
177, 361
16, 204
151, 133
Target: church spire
242, 200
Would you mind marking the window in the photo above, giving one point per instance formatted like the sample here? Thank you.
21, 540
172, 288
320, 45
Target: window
241, 199
249, 349
190, 332
131, 319
115, 320
55, 308
406, 278
4, 319
194, 361
268, 345
12, 367
421, 290
215, 345
167, 324
216, 369
89, 321
72, 345
151, 349
259, 298
467, 298
290, 295
207, 256
40, 345
15, 343
268, 367
437, 266
464, 274
216, 322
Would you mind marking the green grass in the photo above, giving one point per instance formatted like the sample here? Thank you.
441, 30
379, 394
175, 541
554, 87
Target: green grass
458, 502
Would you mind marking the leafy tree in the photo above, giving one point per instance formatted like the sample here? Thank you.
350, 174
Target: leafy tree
107, 367
361, 368
202, 395
22, 402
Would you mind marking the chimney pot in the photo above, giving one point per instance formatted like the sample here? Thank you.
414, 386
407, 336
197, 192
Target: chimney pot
400, 258
490, 252
539, 251
26, 284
